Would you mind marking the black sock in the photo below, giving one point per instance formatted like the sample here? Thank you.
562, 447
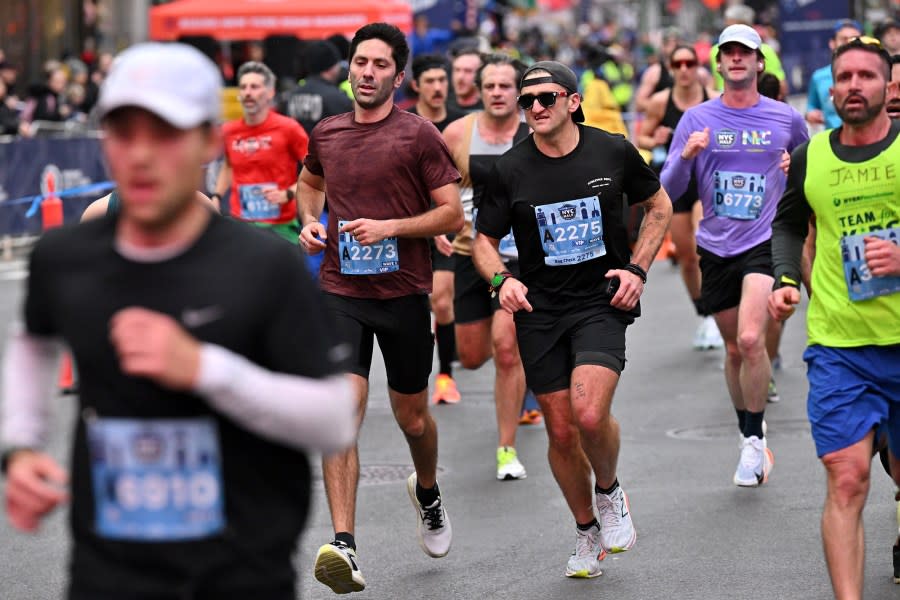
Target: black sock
588, 526
446, 347
608, 491
700, 307
742, 419
346, 537
753, 426
426, 497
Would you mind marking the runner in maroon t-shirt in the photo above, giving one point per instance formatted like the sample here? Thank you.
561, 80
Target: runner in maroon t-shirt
383, 168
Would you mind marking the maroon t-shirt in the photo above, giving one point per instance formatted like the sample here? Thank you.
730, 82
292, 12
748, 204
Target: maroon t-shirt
383, 170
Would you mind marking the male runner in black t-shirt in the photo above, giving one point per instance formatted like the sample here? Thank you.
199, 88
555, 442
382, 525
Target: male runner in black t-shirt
198, 393
561, 191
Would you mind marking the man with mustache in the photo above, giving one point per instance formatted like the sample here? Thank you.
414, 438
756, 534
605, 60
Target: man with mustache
847, 179
732, 147
262, 152
431, 83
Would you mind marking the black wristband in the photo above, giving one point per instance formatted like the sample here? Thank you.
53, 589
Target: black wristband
637, 270
216, 196
290, 194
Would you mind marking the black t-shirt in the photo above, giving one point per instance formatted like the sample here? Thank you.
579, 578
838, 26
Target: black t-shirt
603, 165
452, 115
259, 301
316, 99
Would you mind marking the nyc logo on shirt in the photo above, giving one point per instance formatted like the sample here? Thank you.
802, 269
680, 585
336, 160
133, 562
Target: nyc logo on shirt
728, 138
251, 145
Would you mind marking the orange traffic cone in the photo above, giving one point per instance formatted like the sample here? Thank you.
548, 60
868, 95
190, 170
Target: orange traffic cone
66, 381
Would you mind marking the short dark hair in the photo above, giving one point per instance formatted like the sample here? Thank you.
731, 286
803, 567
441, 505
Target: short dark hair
500, 59
769, 85
390, 35
867, 44
424, 62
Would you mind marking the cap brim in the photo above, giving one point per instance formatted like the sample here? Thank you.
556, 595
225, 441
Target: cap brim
741, 41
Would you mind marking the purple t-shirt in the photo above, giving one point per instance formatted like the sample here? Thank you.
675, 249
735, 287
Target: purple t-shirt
738, 174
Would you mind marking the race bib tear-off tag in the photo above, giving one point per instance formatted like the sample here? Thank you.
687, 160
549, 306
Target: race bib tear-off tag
861, 284
156, 480
373, 259
571, 231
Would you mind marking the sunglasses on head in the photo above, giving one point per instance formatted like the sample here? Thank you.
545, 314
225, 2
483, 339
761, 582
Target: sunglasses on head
547, 99
686, 63
863, 42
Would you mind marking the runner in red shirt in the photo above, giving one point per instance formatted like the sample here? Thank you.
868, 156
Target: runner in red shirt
262, 152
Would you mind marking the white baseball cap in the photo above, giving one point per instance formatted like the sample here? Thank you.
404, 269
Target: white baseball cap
176, 82
741, 34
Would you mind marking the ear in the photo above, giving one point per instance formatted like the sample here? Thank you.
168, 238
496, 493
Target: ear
414, 85
398, 79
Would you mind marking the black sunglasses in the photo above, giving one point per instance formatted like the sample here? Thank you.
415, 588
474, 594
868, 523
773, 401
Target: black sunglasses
547, 99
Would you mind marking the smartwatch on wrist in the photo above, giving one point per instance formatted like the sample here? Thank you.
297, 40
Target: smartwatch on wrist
7, 455
216, 196
290, 194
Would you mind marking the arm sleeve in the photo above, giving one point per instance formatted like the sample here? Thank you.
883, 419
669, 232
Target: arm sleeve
29, 363
791, 223
301, 412
676, 172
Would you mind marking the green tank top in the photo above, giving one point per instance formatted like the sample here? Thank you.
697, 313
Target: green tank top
849, 307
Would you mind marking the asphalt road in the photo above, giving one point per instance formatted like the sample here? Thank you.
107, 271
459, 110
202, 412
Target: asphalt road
699, 536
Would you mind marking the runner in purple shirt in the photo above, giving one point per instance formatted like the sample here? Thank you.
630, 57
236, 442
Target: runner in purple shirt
732, 147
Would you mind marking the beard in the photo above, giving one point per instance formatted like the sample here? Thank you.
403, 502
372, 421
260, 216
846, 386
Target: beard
859, 116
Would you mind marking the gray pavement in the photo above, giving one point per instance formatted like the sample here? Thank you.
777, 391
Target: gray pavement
698, 535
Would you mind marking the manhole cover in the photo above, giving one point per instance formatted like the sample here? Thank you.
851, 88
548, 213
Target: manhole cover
781, 428
378, 474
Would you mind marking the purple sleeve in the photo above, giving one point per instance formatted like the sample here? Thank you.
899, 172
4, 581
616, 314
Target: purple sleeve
311, 161
676, 172
435, 160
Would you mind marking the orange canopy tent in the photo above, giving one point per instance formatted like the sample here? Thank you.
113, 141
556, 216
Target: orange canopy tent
258, 19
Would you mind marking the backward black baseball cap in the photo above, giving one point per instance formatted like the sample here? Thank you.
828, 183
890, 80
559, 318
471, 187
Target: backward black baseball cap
559, 74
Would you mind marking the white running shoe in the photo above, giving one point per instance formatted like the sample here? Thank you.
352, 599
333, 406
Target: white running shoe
707, 336
617, 532
585, 559
508, 465
337, 568
432, 523
756, 463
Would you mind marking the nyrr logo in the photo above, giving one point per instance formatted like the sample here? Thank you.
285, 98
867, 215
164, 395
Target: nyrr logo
738, 181
568, 211
752, 137
725, 138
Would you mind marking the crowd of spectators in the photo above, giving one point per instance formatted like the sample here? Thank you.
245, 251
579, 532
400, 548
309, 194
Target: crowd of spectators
63, 98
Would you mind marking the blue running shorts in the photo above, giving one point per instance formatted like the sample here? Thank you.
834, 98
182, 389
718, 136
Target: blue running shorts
851, 391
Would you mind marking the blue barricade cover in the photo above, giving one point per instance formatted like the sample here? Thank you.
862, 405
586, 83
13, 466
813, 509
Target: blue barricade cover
72, 168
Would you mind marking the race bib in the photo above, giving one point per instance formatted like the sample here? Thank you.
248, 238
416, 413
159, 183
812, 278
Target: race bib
374, 259
861, 284
156, 480
254, 206
739, 195
571, 232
